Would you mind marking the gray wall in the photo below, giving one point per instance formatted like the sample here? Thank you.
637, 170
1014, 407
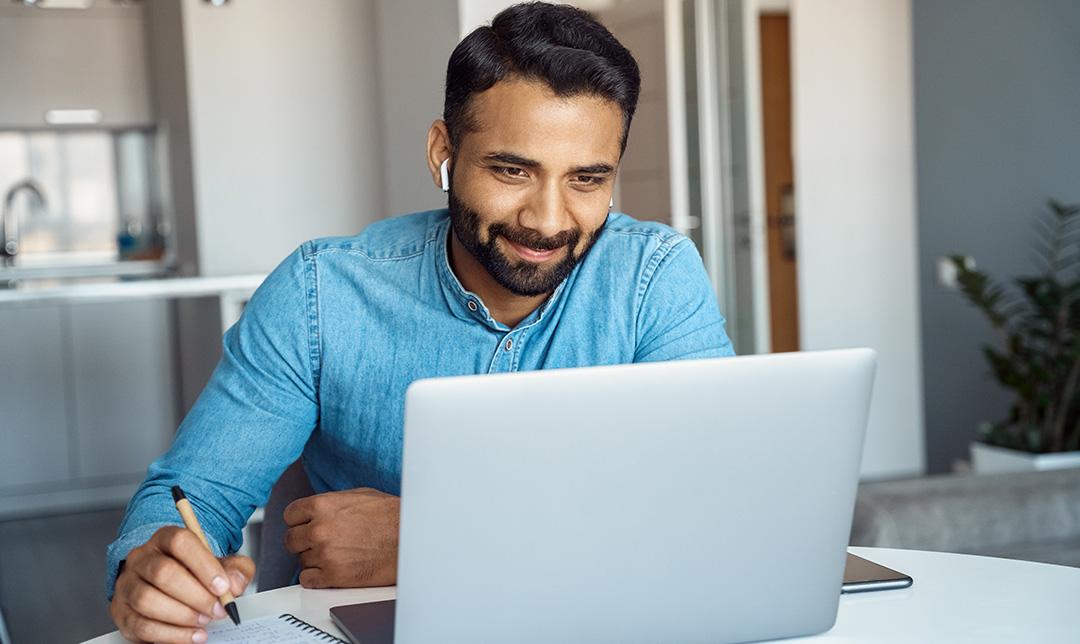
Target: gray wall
415, 38
997, 113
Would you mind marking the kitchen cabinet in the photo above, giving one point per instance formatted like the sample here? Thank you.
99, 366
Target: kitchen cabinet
124, 398
87, 400
90, 389
33, 400
68, 59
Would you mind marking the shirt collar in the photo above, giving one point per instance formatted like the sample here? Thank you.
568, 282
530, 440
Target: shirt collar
465, 304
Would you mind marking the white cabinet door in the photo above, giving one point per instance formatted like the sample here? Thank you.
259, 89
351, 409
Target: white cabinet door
33, 412
125, 388
52, 59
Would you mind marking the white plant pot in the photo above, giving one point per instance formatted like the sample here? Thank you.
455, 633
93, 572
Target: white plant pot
991, 459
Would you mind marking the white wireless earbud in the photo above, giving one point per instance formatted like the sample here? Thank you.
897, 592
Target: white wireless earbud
444, 175
611, 203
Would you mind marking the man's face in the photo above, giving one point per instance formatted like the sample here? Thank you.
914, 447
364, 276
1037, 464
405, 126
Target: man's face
532, 182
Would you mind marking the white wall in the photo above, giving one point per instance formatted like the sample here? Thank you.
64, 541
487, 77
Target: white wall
855, 198
473, 13
284, 126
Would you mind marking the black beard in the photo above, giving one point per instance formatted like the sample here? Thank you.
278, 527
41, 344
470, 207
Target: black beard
519, 277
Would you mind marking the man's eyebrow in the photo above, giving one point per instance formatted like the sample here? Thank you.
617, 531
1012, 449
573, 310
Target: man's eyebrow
512, 159
596, 168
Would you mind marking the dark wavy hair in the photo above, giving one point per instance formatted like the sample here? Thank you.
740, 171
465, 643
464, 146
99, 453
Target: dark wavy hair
564, 47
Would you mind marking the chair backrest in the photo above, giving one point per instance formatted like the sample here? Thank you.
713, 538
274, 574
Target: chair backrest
275, 566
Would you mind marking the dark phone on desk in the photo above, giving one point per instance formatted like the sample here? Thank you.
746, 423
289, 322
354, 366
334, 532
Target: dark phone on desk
366, 623
862, 575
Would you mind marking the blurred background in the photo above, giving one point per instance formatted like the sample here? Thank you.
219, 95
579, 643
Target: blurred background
157, 157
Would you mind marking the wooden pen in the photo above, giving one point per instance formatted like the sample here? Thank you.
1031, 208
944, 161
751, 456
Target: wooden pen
192, 523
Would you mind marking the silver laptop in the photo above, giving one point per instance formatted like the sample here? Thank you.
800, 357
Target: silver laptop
694, 501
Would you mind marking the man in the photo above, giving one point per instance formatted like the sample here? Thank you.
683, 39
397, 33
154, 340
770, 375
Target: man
525, 270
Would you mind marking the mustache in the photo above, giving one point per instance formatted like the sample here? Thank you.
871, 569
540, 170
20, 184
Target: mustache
532, 239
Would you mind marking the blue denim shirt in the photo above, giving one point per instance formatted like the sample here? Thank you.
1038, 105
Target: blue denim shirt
319, 362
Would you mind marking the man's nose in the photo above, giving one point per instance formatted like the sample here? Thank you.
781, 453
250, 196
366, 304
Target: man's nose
546, 211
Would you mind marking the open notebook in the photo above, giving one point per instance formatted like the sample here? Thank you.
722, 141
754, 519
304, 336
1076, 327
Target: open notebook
271, 629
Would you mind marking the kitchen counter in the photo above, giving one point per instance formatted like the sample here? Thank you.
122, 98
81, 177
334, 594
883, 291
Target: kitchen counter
164, 288
233, 292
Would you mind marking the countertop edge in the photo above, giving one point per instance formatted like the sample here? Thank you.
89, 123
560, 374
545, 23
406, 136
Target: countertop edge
164, 288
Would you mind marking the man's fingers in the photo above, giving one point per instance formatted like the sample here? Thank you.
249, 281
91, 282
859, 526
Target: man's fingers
240, 570
183, 546
145, 630
309, 559
137, 628
297, 539
170, 585
170, 577
345, 539
154, 604
298, 512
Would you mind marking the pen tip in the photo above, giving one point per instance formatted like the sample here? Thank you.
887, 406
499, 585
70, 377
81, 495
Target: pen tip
234, 614
177, 494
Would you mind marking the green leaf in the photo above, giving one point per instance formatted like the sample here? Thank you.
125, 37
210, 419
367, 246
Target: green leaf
1033, 439
1038, 322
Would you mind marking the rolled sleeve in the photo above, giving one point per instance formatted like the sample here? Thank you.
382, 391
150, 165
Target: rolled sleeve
250, 422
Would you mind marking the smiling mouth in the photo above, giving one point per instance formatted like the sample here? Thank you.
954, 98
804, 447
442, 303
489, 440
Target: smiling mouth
533, 255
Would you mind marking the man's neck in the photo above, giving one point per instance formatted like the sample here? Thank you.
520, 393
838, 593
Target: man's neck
505, 307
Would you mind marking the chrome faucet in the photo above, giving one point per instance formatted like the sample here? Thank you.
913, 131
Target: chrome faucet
9, 224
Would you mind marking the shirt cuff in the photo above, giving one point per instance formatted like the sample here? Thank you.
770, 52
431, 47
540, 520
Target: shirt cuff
119, 549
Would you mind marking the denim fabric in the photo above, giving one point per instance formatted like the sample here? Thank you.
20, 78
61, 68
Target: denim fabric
319, 362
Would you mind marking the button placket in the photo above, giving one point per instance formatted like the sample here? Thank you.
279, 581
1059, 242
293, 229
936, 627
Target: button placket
511, 347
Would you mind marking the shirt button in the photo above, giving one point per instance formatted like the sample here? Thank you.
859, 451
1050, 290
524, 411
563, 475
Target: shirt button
472, 306
509, 344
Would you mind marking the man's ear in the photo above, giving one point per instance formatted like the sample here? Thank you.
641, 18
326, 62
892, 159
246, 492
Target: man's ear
438, 150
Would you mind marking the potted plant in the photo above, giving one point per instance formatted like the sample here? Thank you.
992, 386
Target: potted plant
1038, 323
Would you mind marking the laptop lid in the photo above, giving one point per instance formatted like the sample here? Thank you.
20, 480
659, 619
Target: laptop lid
690, 501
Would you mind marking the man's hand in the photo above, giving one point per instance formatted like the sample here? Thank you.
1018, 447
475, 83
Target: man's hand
345, 539
167, 589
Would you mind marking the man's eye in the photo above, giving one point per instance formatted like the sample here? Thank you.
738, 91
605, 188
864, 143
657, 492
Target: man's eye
589, 179
510, 171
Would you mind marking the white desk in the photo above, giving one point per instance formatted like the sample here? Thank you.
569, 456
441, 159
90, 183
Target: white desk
955, 598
